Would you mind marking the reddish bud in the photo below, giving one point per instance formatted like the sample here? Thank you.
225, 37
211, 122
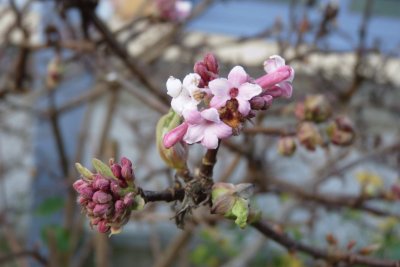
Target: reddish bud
127, 173
309, 136
101, 209
129, 199
102, 227
101, 197
101, 183
351, 244
257, 103
125, 161
116, 170
331, 239
211, 62
119, 206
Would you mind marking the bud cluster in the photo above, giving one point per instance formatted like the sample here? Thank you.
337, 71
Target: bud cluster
108, 196
316, 128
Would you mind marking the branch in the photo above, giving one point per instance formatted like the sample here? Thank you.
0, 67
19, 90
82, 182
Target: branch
330, 256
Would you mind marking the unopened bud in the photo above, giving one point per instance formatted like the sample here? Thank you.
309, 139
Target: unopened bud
317, 108
129, 199
101, 197
101, 209
257, 103
341, 131
309, 136
116, 170
286, 146
331, 239
127, 173
126, 162
119, 206
102, 227
201, 69
169, 136
101, 183
211, 62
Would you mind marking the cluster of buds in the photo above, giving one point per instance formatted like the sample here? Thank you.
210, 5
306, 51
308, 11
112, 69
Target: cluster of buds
232, 201
173, 10
214, 108
108, 196
314, 114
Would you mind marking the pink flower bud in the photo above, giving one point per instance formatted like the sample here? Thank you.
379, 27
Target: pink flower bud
101, 183
119, 207
95, 221
281, 74
115, 188
101, 197
82, 201
91, 205
129, 199
116, 170
127, 173
86, 191
126, 161
175, 135
102, 209
211, 62
201, 69
78, 184
268, 101
257, 102
102, 227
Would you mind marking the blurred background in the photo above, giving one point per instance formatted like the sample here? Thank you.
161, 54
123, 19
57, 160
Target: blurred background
74, 87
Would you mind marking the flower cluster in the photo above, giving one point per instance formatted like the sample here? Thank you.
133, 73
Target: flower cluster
316, 128
173, 10
214, 108
108, 196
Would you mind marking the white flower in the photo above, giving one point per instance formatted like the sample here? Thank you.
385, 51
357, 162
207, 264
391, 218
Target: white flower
183, 93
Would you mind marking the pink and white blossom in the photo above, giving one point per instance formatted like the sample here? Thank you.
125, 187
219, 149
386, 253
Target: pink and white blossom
235, 87
182, 93
278, 80
173, 10
205, 127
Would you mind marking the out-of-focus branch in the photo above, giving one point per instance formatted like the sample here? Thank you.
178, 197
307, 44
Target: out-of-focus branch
333, 257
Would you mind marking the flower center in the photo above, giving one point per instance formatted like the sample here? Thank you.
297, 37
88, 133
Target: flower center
234, 92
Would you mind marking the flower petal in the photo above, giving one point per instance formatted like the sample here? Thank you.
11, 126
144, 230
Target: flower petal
286, 89
211, 114
192, 116
221, 130
249, 90
194, 134
183, 9
191, 82
219, 101
178, 103
174, 86
210, 140
237, 76
273, 63
220, 87
244, 106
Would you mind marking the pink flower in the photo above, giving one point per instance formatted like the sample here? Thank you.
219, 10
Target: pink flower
278, 80
235, 87
205, 127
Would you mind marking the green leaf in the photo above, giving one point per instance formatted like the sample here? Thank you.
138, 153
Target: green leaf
241, 210
50, 206
102, 168
82, 170
55, 234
